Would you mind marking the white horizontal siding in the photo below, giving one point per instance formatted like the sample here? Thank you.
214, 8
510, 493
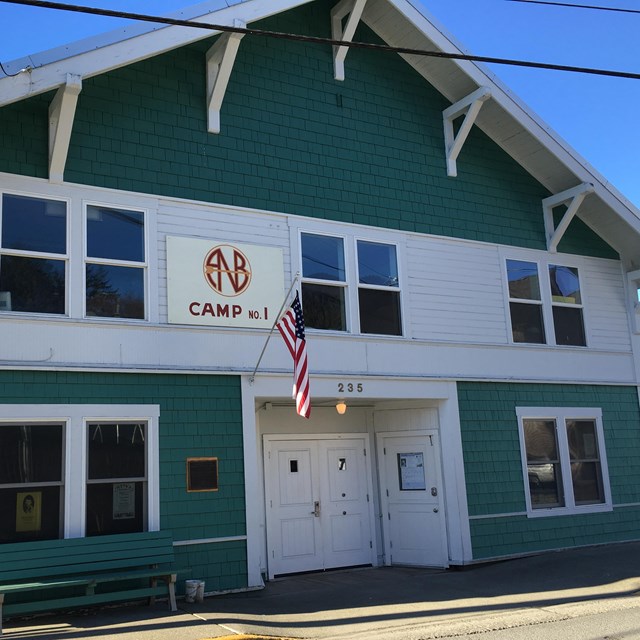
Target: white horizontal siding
217, 224
605, 305
455, 291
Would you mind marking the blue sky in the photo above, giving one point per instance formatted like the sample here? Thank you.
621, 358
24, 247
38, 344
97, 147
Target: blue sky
597, 116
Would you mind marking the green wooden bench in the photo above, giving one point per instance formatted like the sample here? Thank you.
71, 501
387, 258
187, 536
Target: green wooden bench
77, 572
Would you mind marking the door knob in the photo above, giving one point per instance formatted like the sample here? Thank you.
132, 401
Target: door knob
316, 509
435, 510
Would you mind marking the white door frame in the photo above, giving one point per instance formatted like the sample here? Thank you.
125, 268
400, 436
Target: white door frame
288, 437
422, 433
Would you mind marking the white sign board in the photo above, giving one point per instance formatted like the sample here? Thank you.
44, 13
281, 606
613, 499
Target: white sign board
223, 284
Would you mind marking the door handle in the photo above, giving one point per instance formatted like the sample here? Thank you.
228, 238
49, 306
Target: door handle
316, 509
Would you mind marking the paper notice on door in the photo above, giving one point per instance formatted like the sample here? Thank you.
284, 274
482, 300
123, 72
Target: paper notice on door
411, 471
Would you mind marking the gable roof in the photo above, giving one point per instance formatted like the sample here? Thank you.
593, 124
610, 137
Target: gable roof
503, 117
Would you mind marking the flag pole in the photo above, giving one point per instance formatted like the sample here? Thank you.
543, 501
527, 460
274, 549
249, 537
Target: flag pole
295, 279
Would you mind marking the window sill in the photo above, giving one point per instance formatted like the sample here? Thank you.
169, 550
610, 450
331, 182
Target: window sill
569, 511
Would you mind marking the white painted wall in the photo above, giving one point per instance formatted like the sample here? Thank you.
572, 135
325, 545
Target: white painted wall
453, 292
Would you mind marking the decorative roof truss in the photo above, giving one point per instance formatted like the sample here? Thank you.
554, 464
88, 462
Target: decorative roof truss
354, 9
220, 59
62, 111
573, 199
468, 107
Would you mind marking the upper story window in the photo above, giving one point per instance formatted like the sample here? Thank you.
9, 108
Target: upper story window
324, 282
378, 289
33, 258
545, 307
350, 286
115, 268
563, 460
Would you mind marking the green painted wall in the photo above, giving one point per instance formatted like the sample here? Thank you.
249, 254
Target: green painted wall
368, 150
199, 416
493, 468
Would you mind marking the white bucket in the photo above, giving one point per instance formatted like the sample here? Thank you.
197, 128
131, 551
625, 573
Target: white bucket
191, 590
200, 591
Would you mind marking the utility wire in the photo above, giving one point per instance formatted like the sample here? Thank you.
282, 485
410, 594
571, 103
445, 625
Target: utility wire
577, 6
46, 4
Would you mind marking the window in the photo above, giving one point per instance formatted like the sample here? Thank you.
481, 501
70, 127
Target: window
567, 305
31, 481
563, 460
324, 282
116, 478
350, 286
115, 269
539, 308
378, 292
64, 472
33, 259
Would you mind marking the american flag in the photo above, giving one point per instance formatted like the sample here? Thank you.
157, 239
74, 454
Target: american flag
291, 327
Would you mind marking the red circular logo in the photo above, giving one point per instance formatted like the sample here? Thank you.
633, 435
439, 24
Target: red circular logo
227, 270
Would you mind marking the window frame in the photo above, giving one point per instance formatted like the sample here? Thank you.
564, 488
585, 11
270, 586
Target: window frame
560, 415
375, 287
350, 239
543, 263
112, 262
76, 419
42, 255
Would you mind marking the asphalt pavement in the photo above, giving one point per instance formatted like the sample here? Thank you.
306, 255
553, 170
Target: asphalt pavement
386, 602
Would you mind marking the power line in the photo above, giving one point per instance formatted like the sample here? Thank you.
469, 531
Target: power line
577, 6
47, 4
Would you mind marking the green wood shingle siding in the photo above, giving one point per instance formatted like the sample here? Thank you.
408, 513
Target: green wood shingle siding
369, 150
493, 467
199, 416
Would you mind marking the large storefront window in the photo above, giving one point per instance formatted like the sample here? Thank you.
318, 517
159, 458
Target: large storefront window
77, 470
31, 481
563, 456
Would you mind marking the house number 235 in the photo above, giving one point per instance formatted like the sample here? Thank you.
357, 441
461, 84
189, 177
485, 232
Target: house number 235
349, 387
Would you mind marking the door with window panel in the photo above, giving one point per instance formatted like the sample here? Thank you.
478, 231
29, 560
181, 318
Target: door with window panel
31, 481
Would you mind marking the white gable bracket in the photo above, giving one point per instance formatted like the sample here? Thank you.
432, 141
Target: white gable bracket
220, 59
573, 199
62, 111
354, 8
469, 107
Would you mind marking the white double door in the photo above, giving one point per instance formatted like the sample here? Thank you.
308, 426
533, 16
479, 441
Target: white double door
412, 499
318, 504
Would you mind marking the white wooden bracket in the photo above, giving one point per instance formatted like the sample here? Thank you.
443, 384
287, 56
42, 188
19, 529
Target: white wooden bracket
62, 111
354, 8
633, 282
469, 107
573, 199
220, 59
